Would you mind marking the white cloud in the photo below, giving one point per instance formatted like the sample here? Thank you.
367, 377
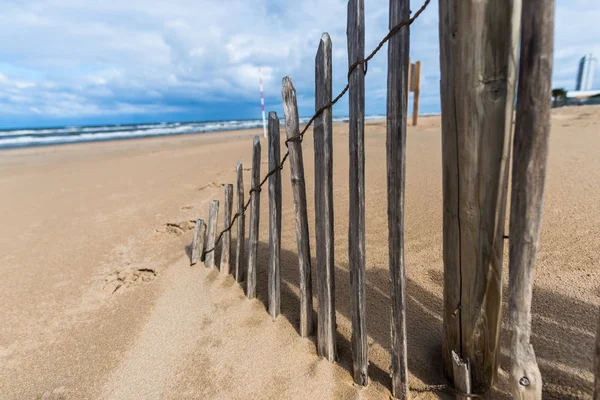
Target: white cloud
68, 57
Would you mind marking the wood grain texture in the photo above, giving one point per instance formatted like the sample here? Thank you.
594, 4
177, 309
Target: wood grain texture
478, 47
241, 225
530, 154
356, 230
416, 81
254, 220
597, 365
323, 147
397, 100
225, 264
462, 376
209, 259
274, 217
290, 109
198, 241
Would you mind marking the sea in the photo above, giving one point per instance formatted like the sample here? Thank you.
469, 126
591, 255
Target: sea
15, 138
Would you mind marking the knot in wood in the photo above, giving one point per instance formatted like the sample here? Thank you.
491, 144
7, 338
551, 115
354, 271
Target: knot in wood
524, 381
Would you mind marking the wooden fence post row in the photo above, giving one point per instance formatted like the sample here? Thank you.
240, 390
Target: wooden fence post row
356, 219
254, 220
475, 153
323, 147
290, 109
274, 217
397, 103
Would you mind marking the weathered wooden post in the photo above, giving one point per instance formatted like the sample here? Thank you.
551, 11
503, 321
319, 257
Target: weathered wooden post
225, 266
397, 101
198, 240
409, 86
274, 217
209, 259
416, 92
323, 146
597, 365
292, 131
530, 153
356, 231
254, 220
241, 222
478, 53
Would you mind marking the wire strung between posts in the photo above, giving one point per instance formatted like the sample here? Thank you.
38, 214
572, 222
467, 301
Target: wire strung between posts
316, 115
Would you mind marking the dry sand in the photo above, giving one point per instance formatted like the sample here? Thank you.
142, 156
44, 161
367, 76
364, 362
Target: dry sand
98, 299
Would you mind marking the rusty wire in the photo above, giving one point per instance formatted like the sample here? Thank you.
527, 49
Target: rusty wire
315, 116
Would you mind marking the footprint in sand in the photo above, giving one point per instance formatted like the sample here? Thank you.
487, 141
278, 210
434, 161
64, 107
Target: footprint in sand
177, 228
126, 278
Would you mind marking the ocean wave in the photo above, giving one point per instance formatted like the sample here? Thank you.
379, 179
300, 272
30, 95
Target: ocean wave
77, 134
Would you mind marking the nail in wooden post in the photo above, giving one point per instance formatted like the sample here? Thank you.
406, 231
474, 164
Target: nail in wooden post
597, 365
416, 92
397, 102
209, 260
274, 217
324, 203
198, 240
226, 242
241, 224
462, 376
356, 231
290, 109
477, 66
254, 220
530, 154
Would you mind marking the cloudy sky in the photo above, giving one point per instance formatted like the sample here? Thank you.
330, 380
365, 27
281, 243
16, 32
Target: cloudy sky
98, 62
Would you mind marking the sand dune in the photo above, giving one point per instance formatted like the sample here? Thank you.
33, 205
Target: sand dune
99, 300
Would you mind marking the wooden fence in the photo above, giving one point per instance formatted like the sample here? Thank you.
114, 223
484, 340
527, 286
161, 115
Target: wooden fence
478, 61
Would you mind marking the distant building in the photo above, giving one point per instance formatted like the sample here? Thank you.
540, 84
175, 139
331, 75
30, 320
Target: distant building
586, 73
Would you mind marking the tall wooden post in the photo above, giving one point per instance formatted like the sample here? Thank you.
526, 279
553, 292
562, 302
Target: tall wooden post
597, 365
198, 241
478, 53
254, 220
241, 222
397, 100
416, 92
323, 145
209, 260
530, 154
274, 217
356, 231
225, 266
290, 109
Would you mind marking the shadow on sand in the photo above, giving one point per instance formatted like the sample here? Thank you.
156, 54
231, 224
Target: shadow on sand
563, 327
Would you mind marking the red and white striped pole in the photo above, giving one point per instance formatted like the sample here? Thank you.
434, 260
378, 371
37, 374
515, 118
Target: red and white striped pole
262, 104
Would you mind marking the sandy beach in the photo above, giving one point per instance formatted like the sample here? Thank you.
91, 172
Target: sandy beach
99, 300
